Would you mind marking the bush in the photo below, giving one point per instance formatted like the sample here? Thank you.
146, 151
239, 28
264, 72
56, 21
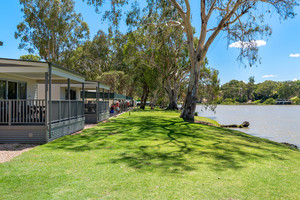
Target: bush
270, 101
295, 100
229, 101
219, 100
256, 102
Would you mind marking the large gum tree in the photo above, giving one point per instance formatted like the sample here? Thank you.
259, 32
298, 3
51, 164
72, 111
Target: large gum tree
50, 27
241, 20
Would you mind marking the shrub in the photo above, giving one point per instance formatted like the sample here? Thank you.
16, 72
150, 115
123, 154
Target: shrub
270, 101
256, 102
229, 101
295, 100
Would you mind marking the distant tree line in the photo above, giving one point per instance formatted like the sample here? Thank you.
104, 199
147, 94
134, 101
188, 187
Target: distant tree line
266, 92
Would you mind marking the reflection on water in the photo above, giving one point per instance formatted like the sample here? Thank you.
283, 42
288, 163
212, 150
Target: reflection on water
279, 123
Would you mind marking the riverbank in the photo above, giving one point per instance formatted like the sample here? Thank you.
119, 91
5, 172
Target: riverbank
154, 155
279, 123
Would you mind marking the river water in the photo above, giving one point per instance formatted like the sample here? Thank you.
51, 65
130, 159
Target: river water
280, 123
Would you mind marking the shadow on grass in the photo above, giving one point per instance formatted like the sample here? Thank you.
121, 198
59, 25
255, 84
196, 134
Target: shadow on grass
172, 145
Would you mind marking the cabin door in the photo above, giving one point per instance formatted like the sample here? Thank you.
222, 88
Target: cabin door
12, 90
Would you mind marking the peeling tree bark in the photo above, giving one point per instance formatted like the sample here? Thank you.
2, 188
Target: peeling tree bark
172, 94
190, 103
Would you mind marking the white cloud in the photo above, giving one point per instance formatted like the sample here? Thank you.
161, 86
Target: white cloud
269, 76
295, 79
296, 55
253, 43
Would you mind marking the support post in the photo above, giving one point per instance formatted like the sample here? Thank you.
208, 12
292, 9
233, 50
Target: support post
50, 100
104, 102
46, 98
9, 112
83, 96
69, 104
97, 102
108, 97
69, 98
6, 90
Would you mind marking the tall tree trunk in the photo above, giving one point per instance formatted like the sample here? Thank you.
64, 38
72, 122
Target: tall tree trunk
172, 93
189, 106
173, 100
144, 96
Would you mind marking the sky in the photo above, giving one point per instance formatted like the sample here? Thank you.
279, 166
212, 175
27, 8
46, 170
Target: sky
280, 52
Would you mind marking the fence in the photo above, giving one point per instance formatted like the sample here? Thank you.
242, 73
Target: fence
33, 112
62, 110
92, 106
13, 112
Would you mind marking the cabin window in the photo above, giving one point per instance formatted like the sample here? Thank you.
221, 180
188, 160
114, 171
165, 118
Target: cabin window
12, 90
2, 89
22, 88
72, 94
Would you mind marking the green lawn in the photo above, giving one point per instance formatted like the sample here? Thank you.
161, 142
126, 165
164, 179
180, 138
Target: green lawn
154, 155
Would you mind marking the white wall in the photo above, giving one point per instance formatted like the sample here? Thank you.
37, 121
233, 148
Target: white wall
55, 90
58, 92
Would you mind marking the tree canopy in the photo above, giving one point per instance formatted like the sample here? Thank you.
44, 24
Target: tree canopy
30, 57
50, 27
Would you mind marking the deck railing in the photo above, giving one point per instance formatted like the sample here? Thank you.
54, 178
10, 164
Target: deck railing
62, 110
103, 106
92, 106
33, 112
14, 112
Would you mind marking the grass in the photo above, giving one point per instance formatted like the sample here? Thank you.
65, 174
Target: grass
154, 155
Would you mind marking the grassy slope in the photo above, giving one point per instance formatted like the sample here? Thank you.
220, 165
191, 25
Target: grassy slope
154, 155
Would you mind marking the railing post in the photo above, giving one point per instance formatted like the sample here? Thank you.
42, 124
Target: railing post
9, 113
59, 110
76, 109
103, 104
108, 97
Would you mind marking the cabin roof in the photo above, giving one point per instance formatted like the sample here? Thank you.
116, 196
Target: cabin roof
36, 70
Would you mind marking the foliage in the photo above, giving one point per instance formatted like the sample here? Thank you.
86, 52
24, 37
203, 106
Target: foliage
229, 101
256, 102
30, 57
50, 27
103, 57
288, 89
251, 88
208, 84
267, 89
296, 100
116, 80
154, 155
138, 54
236, 90
258, 93
91, 58
270, 101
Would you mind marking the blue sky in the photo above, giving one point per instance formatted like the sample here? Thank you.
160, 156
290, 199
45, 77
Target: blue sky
277, 64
